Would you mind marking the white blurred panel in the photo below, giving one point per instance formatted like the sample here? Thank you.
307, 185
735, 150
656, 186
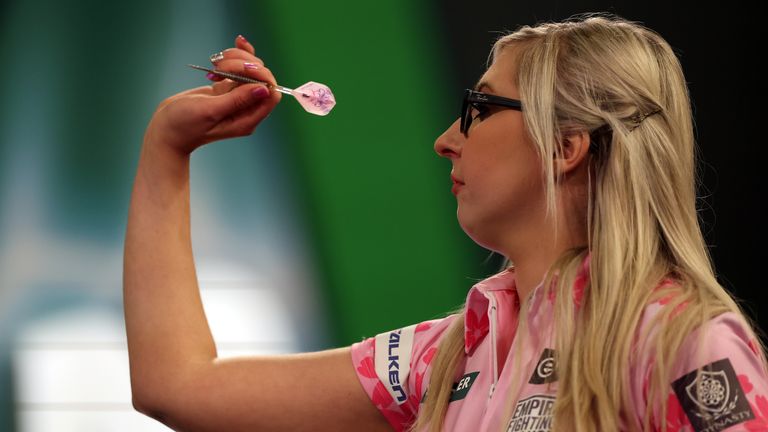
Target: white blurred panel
72, 376
238, 312
84, 325
88, 421
71, 368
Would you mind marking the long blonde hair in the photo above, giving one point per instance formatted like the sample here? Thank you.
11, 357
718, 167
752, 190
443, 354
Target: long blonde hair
603, 74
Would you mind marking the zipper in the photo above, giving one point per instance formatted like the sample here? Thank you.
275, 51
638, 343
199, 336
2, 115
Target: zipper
495, 357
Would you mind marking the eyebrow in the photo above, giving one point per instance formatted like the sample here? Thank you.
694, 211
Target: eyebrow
482, 84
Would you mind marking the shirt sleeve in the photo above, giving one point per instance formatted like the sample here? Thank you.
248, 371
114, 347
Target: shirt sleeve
391, 367
719, 381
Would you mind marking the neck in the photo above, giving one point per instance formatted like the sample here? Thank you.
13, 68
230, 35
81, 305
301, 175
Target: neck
531, 268
534, 249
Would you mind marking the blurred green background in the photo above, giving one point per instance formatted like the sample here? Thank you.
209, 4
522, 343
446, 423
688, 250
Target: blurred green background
345, 224
314, 232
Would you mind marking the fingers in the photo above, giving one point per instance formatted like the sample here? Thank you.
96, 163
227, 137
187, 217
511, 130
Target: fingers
244, 67
204, 90
242, 43
242, 108
231, 97
240, 111
235, 53
223, 86
232, 108
251, 70
243, 50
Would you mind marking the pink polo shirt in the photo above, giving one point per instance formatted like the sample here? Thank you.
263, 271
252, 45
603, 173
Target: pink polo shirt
394, 368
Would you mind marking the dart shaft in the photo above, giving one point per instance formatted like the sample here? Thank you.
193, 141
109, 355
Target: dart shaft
244, 79
314, 97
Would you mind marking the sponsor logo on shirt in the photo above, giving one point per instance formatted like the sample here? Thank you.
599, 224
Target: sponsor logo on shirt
532, 414
392, 352
713, 398
393, 366
461, 388
545, 368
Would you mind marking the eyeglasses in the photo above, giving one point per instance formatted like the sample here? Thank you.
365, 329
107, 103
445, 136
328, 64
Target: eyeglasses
477, 101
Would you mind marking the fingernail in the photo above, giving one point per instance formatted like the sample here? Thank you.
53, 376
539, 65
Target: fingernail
219, 56
214, 77
260, 92
250, 66
241, 37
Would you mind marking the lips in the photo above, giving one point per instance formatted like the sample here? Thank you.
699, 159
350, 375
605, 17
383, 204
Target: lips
457, 184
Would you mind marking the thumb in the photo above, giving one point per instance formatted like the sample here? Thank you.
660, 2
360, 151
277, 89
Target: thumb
238, 99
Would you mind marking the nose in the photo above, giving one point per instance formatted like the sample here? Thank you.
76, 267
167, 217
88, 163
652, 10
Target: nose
448, 145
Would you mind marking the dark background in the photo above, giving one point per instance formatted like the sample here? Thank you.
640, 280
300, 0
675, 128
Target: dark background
721, 48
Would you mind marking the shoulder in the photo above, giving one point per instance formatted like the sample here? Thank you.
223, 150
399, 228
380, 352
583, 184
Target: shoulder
726, 335
717, 377
725, 338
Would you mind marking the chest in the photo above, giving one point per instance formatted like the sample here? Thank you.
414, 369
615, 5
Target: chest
523, 393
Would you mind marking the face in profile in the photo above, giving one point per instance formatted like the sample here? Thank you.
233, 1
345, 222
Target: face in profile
502, 192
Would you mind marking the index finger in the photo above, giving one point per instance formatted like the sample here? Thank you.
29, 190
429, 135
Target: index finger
237, 53
242, 43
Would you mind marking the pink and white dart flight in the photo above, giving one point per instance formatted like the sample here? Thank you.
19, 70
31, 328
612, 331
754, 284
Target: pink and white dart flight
314, 97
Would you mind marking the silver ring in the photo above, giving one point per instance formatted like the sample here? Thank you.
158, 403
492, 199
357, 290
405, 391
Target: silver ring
215, 58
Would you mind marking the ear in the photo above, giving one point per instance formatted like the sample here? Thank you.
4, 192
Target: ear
574, 151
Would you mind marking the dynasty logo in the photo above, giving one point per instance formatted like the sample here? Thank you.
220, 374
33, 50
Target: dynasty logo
713, 398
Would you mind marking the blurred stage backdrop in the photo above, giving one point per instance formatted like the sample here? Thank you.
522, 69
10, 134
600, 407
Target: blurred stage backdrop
316, 231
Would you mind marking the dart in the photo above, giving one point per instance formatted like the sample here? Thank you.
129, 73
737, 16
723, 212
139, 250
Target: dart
314, 97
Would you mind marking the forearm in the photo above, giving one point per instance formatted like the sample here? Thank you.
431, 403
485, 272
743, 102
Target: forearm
168, 334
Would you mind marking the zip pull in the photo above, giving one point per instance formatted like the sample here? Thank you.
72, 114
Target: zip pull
494, 355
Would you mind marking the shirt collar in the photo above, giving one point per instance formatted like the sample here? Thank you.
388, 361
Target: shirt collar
476, 320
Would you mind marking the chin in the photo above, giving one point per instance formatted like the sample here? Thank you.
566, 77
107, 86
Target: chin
483, 239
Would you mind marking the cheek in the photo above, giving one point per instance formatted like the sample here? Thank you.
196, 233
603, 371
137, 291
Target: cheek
505, 162
502, 180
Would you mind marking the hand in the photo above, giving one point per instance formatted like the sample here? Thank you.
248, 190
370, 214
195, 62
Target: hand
226, 109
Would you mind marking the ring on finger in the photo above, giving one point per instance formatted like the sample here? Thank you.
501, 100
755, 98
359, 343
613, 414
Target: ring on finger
215, 58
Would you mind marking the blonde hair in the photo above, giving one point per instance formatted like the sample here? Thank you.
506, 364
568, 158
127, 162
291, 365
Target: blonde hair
603, 74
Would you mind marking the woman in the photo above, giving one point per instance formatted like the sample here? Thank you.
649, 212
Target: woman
574, 158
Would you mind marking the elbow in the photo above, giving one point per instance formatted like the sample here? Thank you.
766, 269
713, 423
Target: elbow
151, 401
159, 403
163, 415
146, 406
167, 398
155, 412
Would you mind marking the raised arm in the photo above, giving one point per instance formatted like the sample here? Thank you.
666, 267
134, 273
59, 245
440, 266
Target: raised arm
176, 376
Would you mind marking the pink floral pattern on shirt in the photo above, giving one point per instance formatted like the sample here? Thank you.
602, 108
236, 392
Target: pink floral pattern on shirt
759, 407
579, 283
676, 419
476, 328
426, 336
730, 340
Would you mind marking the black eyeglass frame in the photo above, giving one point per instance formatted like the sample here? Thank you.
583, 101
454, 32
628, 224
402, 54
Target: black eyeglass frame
475, 97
